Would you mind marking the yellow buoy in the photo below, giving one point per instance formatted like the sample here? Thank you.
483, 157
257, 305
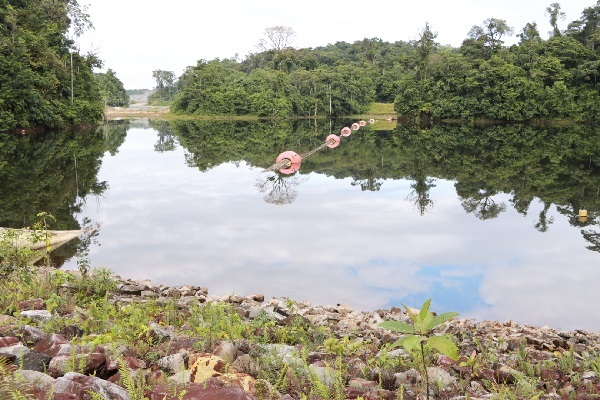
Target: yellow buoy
583, 213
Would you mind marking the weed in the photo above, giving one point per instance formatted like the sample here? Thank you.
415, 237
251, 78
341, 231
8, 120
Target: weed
420, 335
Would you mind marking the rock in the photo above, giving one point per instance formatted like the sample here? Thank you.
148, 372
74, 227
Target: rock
204, 366
36, 361
243, 381
54, 345
36, 315
36, 379
33, 335
257, 297
327, 375
198, 391
181, 377
172, 364
227, 351
246, 364
72, 331
407, 379
161, 333
379, 394
76, 386
362, 383
8, 341
132, 290
33, 304
8, 320
439, 378
17, 350
11, 358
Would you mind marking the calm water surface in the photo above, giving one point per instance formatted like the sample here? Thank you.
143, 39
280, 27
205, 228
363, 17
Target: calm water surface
171, 216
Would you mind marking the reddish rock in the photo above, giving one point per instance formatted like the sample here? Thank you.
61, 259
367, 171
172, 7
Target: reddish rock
379, 394
52, 345
198, 391
8, 341
33, 304
74, 386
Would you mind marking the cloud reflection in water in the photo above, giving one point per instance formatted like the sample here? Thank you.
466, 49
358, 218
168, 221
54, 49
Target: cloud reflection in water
334, 243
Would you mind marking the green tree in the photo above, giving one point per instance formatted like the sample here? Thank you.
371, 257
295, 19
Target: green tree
44, 81
491, 33
165, 86
111, 88
554, 13
426, 46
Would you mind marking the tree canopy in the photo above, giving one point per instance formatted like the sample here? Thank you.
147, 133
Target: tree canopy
45, 82
536, 79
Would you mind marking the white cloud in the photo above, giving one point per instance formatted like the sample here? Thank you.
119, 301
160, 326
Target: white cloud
135, 37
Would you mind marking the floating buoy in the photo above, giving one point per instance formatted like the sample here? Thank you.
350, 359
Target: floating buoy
582, 213
355, 126
332, 141
345, 131
362, 122
371, 121
295, 161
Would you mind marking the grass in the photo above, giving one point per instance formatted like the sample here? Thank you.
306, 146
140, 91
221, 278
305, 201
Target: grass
87, 301
381, 109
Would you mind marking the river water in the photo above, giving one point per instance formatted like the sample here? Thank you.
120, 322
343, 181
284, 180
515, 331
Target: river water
385, 219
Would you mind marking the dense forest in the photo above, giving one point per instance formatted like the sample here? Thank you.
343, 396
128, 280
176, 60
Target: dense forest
536, 79
44, 80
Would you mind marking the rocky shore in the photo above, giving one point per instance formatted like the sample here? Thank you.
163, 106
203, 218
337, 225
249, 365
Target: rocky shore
47, 358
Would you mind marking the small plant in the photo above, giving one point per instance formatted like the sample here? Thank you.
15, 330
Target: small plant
420, 335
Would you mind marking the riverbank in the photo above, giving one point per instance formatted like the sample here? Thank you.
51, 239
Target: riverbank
64, 333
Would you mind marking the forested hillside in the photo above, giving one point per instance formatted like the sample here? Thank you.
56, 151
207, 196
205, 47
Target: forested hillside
554, 78
44, 81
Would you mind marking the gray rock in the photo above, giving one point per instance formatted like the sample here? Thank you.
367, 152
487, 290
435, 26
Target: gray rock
17, 350
440, 378
162, 333
36, 379
172, 364
246, 364
407, 379
36, 315
327, 375
36, 361
182, 377
135, 290
33, 335
227, 351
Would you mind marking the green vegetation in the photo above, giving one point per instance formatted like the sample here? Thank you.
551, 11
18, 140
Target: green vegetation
420, 336
45, 82
87, 300
536, 79
111, 88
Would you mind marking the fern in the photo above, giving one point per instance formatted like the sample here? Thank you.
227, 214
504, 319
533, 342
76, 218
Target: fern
10, 386
134, 385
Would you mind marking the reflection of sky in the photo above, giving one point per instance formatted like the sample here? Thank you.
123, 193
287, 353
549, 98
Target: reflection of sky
164, 221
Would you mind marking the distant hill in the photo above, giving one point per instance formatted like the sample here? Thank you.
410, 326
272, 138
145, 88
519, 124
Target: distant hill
139, 95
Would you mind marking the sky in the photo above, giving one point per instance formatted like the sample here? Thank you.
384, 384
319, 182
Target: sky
136, 37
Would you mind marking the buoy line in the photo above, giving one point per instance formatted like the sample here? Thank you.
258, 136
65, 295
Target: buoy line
289, 161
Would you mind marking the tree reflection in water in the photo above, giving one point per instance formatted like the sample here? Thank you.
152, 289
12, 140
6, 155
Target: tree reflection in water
280, 189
